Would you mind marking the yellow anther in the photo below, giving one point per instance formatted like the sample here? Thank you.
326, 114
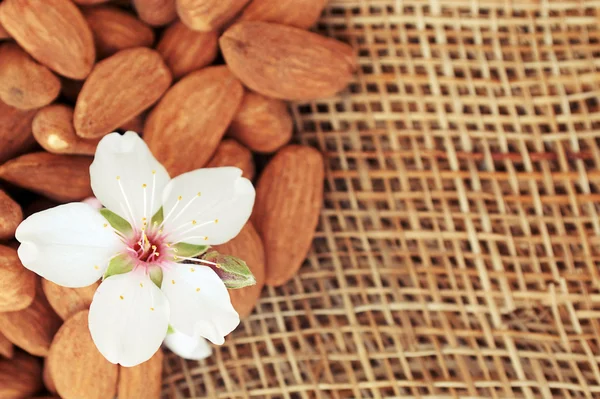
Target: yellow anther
199, 193
105, 224
144, 185
152, 309
179, 198
175, 257
118, 177
160, 231
157, 254
192, 269
168, 245
197, 289
121, 296
153, 172
218, 266
205, 238
143, 219
141, 285
96, 267
194, 222
216, 220
154, 247
172, 281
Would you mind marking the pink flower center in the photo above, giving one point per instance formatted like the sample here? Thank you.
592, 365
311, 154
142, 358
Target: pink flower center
148, 248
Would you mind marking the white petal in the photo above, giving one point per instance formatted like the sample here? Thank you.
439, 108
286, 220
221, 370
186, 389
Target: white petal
129, 317
192, 348
200, 303
69, 245
215, 203
121, 167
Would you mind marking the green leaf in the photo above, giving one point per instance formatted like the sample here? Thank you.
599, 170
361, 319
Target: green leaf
233, 271
189, 250
158, 217
156, 275
116, 221
170, 330
118, 265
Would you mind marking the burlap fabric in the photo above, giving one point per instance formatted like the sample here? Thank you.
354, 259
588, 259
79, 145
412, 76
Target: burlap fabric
458, 248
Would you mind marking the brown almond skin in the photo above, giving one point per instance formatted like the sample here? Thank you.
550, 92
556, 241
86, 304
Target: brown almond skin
53, 32
53, 130
17, 284
299, 13
90, 2
289, 195
118, 89
24, 83
6, 347
47, 378
115, 30
135, 125
142, 381
207, 15
185, 50
248, 246
77, 368
63, 178
68, 301
180, 136
3, 33
20, 377
262, 124
10, 216
156, 12
232, 153
31, 328
15, 131
286, 62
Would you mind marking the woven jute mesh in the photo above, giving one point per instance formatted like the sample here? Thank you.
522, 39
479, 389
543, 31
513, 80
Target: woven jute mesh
458, 248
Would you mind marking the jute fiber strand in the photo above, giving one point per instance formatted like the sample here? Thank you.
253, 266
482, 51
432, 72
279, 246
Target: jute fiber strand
458, 249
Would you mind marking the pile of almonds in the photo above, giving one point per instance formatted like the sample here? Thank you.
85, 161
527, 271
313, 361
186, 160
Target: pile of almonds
71, 72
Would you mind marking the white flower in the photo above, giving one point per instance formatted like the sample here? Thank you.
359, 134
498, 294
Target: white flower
193, 348
144, 244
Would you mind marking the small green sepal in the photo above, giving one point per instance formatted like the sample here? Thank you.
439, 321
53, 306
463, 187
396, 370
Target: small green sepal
170, 330
118, 265
189, 250
158, 217
116, 221
156, 275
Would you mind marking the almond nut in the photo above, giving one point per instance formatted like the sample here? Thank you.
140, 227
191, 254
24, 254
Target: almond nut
20, 377
53, 130
62, 178
299, 13
53, 32
118, 89
24, 83
247, 246
143, 380
155, 12
10, 216
289, 195
286, 62
181, 137
32, 328
68, 301
116, 30
77, 368
17, 284
262, 124
232, 153
185, 50
15, 131
207, 15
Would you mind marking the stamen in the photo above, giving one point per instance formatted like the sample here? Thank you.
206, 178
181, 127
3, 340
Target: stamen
195, 225
170, 212
126, 199
186, 239
186, 207
153, 190
145, 209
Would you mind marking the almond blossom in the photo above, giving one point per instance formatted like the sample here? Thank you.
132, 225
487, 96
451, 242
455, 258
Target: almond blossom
145, 244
